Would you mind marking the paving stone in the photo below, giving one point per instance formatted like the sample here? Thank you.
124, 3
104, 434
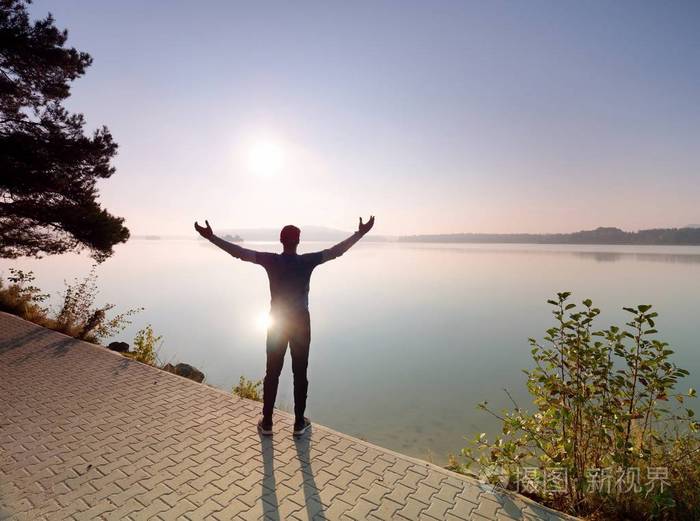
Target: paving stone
447, 492
337, 509
411, 509
361, 510
376, 493
387, 510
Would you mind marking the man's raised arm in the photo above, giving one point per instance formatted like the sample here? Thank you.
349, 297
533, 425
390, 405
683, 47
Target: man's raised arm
342, 247
233, 249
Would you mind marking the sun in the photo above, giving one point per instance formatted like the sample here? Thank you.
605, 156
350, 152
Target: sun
264, 321
266, 157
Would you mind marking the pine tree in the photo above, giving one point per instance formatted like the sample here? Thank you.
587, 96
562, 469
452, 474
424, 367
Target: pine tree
49, 167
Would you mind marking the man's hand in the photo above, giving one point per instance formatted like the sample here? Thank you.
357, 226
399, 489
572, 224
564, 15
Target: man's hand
207, 233
365, 227
232, 249
340, 248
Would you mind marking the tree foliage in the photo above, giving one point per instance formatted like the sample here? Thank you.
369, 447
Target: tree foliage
49, 166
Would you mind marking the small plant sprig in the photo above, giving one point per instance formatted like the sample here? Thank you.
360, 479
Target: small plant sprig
147, 345
248, 389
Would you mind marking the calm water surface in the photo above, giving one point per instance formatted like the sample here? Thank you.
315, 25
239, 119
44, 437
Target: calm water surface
406, 339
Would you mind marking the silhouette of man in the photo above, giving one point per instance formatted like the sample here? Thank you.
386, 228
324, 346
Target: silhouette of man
289, 274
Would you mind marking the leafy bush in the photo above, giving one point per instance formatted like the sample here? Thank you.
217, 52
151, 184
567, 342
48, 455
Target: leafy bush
77, 316
22, 298
609, 437
146, 346
248, 389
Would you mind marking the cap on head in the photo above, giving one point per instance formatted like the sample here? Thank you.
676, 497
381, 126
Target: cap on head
290, 235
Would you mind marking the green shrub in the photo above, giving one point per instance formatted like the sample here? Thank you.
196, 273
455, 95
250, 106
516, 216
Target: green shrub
77, 316
146, 346
609, 436
248, 389
20, 297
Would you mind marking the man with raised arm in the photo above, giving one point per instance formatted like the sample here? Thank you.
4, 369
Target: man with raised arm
289, 274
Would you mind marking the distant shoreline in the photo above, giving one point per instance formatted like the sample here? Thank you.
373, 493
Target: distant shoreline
688, 236
599, 236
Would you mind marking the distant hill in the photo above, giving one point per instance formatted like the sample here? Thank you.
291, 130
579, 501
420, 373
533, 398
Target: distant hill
667, 236
308, 233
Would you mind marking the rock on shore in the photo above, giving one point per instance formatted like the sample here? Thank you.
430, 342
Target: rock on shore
185, 370
119, 347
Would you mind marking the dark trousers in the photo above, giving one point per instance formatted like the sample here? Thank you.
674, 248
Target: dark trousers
293, 329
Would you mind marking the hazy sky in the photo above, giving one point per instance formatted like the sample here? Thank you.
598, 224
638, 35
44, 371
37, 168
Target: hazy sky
435, 116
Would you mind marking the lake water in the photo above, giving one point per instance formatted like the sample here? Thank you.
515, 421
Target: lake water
406, 338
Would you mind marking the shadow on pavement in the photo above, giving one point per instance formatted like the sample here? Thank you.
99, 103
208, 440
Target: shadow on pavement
312, 499
21, 340
269, 493
314, 507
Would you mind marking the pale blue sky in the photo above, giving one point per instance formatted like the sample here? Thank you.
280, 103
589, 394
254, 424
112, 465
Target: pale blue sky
435, 116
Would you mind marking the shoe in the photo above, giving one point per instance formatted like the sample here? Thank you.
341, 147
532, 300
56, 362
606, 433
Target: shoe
265, 430
301, 428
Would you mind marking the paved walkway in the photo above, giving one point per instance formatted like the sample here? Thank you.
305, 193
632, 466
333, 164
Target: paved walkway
86, 434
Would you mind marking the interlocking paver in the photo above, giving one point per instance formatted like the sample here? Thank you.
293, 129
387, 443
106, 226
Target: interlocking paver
411, 509
351, 494
337, 509
376, 493
361, 510
461, 508
390, 478
86, 433
399, 493
437, 508
230, 511
387, 510
447, 492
